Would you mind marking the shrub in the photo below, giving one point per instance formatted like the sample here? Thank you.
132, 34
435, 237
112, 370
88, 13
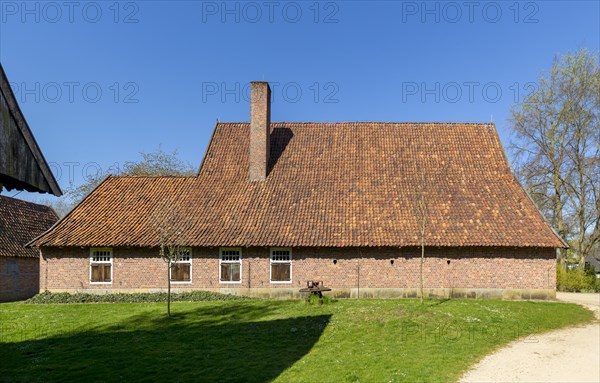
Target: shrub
576, 280
191, 296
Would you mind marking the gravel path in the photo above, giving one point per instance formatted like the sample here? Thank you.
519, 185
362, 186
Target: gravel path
568, 355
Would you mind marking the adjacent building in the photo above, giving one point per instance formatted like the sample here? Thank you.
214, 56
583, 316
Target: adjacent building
22, 167
20, 222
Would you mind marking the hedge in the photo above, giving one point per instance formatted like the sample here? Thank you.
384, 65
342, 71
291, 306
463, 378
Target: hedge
577, 280
192, 296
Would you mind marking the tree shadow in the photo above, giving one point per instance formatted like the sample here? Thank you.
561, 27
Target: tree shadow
234, 343
436, 301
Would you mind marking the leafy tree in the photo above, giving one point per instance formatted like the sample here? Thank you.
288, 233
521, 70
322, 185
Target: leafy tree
557, 147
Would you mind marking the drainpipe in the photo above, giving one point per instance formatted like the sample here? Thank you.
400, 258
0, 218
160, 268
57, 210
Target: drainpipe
249, 272
45, 271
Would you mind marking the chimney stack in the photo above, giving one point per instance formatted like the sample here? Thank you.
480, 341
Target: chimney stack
260, 130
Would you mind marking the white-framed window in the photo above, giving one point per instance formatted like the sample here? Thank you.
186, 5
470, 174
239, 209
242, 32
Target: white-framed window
181, 271
230, 265
101, 260
281, 265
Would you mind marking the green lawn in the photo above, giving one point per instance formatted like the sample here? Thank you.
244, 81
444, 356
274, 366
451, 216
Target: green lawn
258, 341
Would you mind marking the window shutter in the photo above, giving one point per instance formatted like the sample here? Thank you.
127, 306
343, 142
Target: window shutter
280, 272
106, 273
96, 273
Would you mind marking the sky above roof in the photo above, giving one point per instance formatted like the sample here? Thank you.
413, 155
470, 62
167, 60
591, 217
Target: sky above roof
100, 82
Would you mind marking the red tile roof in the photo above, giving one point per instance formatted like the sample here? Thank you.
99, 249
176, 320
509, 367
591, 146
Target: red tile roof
20, 222
330, 184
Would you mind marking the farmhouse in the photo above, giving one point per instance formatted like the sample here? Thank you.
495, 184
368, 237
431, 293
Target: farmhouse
275, 204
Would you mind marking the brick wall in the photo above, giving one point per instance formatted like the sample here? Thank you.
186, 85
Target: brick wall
367, 268
19, 278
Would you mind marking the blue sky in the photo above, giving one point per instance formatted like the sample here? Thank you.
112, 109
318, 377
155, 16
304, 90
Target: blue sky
100, 82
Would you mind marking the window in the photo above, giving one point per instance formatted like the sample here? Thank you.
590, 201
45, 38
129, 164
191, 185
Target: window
181, 271
101, 265
12, 267
281, 265
230, 262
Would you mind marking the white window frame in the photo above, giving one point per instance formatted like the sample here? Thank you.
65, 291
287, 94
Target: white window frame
189, 261
221, 250
110, 261
272, 261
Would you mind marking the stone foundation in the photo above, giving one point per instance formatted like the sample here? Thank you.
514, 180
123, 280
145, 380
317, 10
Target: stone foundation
507, 294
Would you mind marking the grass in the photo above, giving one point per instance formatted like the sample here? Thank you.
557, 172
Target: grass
190, 296
259, 341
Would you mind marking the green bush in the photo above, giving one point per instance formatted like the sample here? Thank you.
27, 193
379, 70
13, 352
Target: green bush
576, 280
192, 296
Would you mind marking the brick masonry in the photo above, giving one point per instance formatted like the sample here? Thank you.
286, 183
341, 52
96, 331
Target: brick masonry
260, 130
19, 278
366, 272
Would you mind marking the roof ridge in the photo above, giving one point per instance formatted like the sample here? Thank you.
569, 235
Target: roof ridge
363, 122
150, 176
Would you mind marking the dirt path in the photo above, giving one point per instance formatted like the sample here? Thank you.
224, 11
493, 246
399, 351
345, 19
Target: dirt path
568, 355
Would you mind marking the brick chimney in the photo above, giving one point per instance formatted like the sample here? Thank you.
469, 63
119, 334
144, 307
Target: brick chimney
260, 130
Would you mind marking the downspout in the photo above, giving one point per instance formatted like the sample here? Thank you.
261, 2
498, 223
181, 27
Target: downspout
42, 259
249, 272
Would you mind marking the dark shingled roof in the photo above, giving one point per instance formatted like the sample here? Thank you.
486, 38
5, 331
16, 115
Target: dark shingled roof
330, 184
20, 222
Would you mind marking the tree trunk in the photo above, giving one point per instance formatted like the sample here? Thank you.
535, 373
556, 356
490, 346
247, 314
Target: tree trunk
421, 273
358, 280
558, 213
423, 227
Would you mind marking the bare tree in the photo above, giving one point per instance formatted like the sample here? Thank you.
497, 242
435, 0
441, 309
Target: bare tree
169, 231
427, 181
557, 147
582, 189
157, 163
421, 211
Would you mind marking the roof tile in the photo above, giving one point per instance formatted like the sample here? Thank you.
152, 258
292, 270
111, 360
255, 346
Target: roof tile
20, 222
330, 184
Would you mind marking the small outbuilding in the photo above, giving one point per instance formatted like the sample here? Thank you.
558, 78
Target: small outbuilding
20, 222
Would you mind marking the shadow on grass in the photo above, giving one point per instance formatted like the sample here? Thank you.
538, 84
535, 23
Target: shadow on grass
233, 343
436, 301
